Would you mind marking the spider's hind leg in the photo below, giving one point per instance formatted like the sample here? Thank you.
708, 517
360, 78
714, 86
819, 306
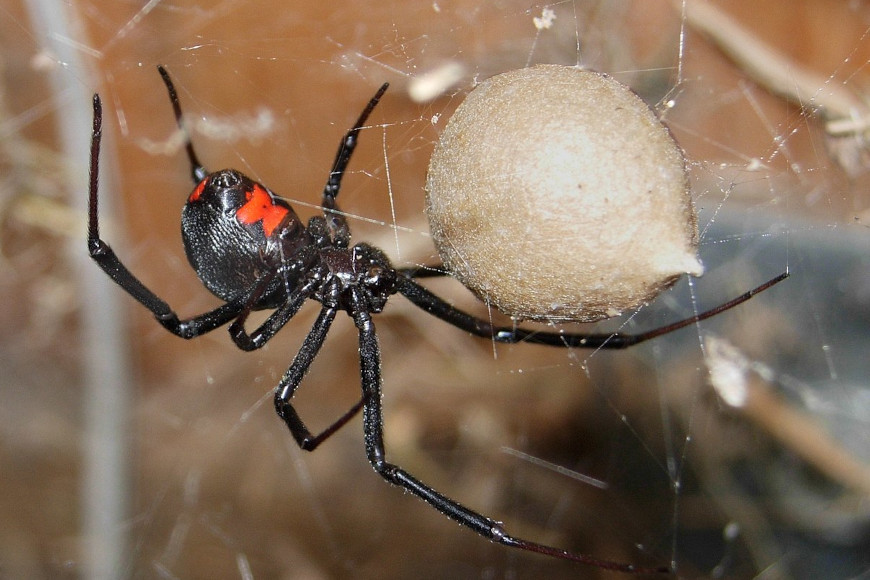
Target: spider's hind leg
197, 171
106, 259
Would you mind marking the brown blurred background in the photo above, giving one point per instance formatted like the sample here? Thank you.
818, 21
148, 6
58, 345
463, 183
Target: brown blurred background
214, 486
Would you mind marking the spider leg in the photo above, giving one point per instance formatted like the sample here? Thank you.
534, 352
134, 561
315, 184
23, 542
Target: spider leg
197, 171
437, 307
275, 322
106, 258
375, 450
337, 222
424, 271
294, 375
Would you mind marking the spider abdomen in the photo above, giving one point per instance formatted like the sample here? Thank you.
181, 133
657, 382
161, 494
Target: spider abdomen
235, 232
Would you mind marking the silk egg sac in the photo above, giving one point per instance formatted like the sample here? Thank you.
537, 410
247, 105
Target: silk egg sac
556, 194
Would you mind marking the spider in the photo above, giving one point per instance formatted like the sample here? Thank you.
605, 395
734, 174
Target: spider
251, 250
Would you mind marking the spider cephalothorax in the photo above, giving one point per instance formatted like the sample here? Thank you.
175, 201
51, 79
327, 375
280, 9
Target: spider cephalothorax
252, 251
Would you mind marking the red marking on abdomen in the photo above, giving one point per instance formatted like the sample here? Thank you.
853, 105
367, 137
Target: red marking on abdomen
197, 192
261, 207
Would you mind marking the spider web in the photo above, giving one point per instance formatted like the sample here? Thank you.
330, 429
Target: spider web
632, 456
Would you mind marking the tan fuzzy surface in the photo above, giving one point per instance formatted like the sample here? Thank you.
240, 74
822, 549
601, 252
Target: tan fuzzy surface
557, 194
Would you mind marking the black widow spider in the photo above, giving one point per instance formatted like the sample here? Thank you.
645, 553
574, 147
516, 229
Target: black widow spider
252, 251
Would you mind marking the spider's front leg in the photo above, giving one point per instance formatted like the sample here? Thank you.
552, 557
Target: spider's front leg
376, 452
437, 307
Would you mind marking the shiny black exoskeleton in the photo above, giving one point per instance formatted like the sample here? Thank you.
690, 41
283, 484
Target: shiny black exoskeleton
252, 251
230, 252
238, 236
